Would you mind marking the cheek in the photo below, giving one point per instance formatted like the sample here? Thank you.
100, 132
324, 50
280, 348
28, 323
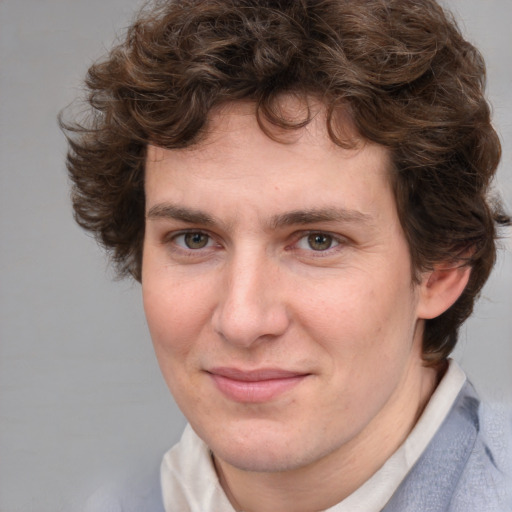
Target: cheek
173, 329
175, 314
363, 317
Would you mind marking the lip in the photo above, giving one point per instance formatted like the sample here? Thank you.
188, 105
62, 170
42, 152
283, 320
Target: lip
255, 386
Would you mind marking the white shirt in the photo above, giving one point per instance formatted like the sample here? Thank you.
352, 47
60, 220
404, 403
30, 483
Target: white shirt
190, 484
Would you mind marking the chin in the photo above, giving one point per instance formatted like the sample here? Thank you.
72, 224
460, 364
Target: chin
263, 448
260, 460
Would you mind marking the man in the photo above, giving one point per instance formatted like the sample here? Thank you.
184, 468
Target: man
302, 190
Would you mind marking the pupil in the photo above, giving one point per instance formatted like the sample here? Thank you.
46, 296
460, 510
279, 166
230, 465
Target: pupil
319, 242
196, 240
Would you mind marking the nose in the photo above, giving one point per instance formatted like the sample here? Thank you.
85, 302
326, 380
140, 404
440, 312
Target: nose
251, 307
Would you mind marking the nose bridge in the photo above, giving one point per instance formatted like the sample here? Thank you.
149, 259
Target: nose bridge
251, 306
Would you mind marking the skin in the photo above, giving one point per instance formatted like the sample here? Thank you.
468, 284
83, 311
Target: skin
234, 277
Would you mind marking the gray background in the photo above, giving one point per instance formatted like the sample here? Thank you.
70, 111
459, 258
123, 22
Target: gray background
81, 397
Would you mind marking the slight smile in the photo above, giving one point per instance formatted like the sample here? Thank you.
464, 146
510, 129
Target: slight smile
255, 386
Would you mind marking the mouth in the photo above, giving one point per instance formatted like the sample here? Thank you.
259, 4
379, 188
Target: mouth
255, 386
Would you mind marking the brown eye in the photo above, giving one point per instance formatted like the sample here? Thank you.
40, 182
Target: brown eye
195, 240
320, 241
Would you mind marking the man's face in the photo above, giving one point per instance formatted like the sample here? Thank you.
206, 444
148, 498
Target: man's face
277, 288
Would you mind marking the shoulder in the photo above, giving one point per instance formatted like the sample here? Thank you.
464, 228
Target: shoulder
141, 492
466, 466
486, 480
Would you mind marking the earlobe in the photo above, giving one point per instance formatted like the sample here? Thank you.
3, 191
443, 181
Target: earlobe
440, 288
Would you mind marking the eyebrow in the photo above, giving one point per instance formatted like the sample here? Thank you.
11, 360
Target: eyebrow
312, 216
170, 211
295, 217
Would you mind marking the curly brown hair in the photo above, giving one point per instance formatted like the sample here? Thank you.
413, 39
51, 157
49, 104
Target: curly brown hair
400, 69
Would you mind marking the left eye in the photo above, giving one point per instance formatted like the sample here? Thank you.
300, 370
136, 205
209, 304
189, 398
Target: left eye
317, 242
193, 240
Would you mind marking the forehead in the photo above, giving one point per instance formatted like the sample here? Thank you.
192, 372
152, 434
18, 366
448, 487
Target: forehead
240, 157
241, 124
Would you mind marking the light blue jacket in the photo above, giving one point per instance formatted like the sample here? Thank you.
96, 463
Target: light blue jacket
465, 468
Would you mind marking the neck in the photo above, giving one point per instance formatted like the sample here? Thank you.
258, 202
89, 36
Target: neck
329, 480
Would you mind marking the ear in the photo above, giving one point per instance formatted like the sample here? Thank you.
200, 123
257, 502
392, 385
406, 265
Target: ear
440, 288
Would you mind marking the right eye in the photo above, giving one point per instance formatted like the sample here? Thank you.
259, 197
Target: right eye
193, 240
